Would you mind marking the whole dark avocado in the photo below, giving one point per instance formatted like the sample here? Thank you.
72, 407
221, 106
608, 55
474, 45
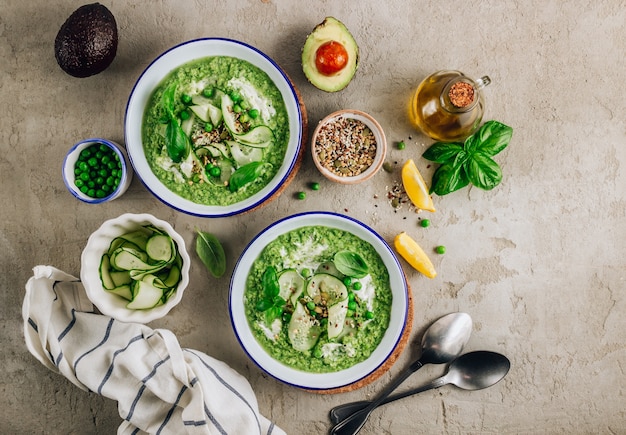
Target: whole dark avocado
87, 42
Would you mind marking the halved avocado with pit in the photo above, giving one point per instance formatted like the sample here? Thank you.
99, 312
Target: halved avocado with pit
330, 56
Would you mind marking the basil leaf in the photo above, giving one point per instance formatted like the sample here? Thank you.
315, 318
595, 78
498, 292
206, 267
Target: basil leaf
211, 253
263, 305
271, 288
449, 178
483, 171
176, 141
350, 264
244, 175
272, 313
492, 138
167, 100
441, 152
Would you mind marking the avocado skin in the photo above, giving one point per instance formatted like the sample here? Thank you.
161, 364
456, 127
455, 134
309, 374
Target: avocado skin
87, 42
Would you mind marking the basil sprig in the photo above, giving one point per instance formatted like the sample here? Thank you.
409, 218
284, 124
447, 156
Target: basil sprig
177, 143
271, 303
470, 161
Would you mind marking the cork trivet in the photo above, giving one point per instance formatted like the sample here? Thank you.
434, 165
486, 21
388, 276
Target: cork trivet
387, 364
303, 144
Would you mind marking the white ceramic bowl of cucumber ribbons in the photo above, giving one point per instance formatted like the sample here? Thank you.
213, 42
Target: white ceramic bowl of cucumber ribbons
158, 71
303, 378
135, 268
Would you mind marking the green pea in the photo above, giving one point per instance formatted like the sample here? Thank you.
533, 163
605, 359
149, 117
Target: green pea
425, 223
184, 115
215, 171
237, 108
208, 92
306, 272
92, 161
440, 249
253, 113
84, 176
100, 193
352, 305
84, 189
79, 183
301, 195
195, 178
369, 315
310, 306
351, 296
208, 127
357, 285
315, 186
401, 145
244, 118
324, 322
235, 96
317, 352
350, 313
186, 99
244, 105
347, 281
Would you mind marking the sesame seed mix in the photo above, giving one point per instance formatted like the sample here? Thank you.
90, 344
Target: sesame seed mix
345, 147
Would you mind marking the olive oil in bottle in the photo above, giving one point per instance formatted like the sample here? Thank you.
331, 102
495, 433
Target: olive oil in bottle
448, 106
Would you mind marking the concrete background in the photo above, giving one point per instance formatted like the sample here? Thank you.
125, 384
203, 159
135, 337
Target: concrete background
539, 262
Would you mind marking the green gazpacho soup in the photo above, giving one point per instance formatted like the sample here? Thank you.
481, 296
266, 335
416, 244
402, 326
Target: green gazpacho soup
216, 130
318, 299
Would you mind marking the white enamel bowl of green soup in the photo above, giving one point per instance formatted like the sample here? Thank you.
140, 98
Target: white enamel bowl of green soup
301, 374
154, 76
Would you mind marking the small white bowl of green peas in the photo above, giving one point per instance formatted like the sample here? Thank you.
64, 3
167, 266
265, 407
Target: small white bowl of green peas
97, 170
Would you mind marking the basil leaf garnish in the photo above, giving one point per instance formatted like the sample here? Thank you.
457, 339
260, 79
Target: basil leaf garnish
176, 141
271, 288
493, 137
211, 253
271, 303
350, 264
441, 152
470, 162
244, 175
484, 172
448, 178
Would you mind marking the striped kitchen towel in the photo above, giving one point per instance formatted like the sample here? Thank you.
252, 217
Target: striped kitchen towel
159, 386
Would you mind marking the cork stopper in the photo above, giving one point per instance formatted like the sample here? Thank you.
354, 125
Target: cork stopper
461, 94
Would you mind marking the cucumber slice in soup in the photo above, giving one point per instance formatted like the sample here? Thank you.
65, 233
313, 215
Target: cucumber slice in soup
145, 296
260, 136
243, 154
291, 285
337, 318
303, 330
160, 248
230, 119
329, 268
329, 287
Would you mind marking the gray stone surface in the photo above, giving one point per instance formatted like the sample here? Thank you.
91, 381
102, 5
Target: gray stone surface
539, 262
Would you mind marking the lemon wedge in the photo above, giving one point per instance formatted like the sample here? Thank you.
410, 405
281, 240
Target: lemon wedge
415, 187
414, 255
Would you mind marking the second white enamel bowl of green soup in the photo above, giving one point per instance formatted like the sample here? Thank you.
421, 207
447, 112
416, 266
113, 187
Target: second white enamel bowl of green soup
214, 127
319, 301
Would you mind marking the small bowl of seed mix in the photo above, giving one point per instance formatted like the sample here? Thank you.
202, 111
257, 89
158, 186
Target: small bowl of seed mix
97, 170
348, 146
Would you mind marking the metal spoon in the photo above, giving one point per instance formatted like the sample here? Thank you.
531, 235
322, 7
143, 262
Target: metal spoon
442, 342
472, 371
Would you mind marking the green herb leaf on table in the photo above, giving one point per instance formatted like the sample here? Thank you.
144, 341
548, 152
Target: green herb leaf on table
350, 264
211, 253
469, 162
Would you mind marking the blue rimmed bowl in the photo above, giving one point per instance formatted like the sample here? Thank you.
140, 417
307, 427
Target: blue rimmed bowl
69, 174
359, 374
180, 55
